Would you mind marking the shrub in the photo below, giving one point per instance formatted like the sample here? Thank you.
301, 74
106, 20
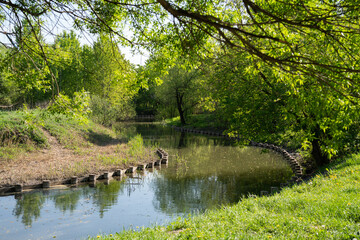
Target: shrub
105, 113
77, 108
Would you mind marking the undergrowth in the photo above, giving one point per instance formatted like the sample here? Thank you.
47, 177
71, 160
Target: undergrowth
23, 130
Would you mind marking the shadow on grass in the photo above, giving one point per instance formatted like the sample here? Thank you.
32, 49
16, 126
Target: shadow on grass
102, 139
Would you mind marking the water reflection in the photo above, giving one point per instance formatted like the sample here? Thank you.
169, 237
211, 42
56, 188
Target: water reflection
214, 178
203, 173
28, 207
66, 201
106, 195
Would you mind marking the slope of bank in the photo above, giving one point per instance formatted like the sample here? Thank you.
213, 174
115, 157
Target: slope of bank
325, 207
37, 146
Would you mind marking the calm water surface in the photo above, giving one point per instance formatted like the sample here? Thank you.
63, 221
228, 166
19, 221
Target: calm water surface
203, 173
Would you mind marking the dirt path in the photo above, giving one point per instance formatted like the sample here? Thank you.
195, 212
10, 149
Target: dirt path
57, 163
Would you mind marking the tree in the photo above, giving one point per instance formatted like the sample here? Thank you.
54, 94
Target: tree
27, 70
110, 78
177, 84
270, 30
254, 103
67, 63
180, 86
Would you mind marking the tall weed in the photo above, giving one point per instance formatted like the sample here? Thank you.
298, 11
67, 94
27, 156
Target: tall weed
136, 146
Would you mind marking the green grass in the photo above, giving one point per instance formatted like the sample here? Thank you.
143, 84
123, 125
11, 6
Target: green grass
67, 131
25, 127
111, 160
326, 207
19, 132
20, 128
130, 153
23, 130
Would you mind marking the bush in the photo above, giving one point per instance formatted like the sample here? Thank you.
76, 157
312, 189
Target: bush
77, 108
105, 113
101, 111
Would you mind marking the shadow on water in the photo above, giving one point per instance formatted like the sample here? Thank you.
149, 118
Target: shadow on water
203, 173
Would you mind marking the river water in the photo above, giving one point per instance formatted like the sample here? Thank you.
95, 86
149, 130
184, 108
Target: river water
204, 172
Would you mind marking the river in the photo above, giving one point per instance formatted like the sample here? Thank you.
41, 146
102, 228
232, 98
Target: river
204, 172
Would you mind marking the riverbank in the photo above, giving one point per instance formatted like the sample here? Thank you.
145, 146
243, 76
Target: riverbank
37, 146
325, 207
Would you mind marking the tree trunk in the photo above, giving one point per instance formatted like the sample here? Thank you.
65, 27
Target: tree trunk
179, 102
182, 140
320, 158
316, 153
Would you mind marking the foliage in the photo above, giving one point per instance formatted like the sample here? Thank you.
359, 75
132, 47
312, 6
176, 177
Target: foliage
68, 63
69, 77
108, 75
177, 88
102, 112
106, 114
76, 108
283, 35
254, 102
25, 71
145, 100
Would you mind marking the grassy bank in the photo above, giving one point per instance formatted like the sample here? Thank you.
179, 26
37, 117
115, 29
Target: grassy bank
38, 145
326, 207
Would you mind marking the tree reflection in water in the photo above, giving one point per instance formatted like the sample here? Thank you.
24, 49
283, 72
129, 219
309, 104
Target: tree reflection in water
205, 177
28, 207
103, 196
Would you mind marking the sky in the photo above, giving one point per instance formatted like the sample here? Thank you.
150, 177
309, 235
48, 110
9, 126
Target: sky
138, 59
135, 58
56, 24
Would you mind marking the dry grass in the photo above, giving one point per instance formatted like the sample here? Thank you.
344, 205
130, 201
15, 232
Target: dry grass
58, 162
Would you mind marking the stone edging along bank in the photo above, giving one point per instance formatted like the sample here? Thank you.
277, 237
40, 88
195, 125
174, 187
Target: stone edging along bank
164, 158
294, 164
